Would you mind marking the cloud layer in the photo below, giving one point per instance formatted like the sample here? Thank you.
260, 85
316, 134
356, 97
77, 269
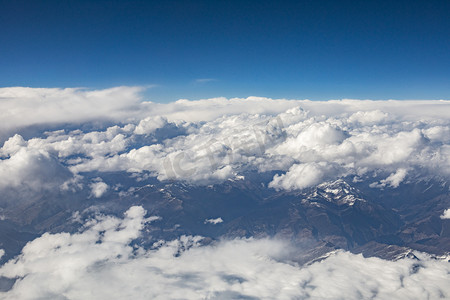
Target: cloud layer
208, 141
101, 262
21, 106
300, 143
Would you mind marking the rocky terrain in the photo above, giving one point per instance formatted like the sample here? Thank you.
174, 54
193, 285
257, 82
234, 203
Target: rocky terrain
333, 215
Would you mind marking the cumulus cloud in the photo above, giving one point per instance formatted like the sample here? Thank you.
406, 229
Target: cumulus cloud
150, 124
373, 117
22, 106
98, 188
303, 143
446, 214
31, 169
300, 176
438, 134
213, 140
102, 262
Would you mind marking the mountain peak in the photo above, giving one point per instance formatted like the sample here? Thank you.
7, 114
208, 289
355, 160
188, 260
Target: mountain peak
337, 191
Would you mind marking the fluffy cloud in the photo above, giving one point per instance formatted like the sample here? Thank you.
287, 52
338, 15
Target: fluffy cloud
21, 106
150, 124
212, 140
393, 180
29, 169
98, 188
101, 262
446, 214
309, 149
301, 176
201, 142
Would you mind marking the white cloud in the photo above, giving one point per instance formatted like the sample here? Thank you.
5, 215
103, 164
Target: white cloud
150, 124
438, 133
100, 263
305, 142
393, 180
446, 214
98, 188
12, 145
396, 178
214, 221
374, 117
21, 106
31, 169
219, 139
300, 176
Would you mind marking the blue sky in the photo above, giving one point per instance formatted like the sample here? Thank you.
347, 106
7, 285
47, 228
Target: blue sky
199, 49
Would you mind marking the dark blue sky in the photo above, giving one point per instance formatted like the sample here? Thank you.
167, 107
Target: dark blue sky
293, 49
